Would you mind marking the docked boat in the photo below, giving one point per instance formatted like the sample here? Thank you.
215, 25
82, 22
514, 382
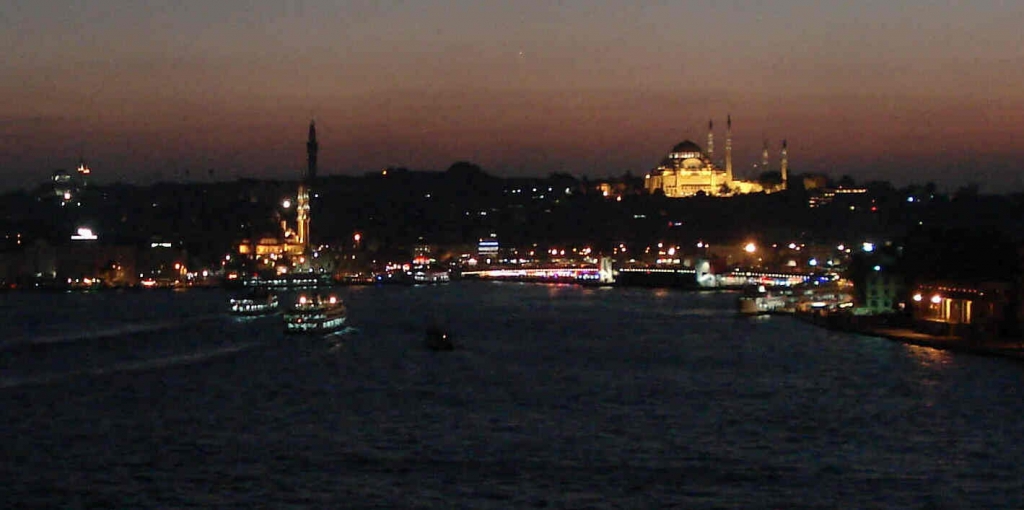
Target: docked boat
254, 304
757, 301
315, 315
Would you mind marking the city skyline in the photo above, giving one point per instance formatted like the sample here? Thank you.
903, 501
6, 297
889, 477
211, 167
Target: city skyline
907, 91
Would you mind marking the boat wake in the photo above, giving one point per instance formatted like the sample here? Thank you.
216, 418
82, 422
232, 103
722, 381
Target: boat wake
347, 330
107, 332
146, 365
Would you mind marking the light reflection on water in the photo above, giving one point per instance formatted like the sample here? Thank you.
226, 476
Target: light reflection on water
929, 357
561, 397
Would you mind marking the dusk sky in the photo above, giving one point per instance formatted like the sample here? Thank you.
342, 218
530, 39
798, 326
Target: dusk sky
903, 90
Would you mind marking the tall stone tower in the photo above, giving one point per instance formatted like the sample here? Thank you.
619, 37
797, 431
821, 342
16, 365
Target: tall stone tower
784, 166
302, 208
728, 149
764, 156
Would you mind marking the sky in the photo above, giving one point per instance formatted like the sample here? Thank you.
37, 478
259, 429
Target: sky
147, 90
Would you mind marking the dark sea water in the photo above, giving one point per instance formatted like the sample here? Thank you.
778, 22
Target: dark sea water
562, 397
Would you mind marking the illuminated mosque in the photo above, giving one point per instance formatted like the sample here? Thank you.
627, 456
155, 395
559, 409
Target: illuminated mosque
293, 243
688, 170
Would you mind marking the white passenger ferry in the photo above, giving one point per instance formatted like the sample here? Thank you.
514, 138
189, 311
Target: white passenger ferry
315, 315
254, 304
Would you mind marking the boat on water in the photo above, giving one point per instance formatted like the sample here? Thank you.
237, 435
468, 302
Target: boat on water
254, 304
438, 339
757, 301
315, 314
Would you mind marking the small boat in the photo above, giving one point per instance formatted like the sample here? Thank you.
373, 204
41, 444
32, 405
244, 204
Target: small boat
315, 315
438, 339
254, 304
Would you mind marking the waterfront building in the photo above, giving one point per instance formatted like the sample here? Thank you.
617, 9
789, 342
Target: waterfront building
883, 292
687, 170
965, 309
76, 264
487, 249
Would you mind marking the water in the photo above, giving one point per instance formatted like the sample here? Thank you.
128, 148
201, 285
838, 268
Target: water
563, 397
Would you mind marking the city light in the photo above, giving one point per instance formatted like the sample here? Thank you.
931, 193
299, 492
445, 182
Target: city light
286, 203
918, 297
750, 248
868, 247
84, 234
936, 299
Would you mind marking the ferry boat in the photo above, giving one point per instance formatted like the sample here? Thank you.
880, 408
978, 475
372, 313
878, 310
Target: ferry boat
254, 304
757, 301
315, 315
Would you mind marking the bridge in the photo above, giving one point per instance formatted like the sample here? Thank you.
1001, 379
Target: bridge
699, 276
602, 274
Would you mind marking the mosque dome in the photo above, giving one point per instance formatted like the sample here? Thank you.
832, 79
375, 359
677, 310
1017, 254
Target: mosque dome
686, 150
686, 146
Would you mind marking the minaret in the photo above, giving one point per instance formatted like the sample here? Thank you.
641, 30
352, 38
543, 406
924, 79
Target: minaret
764, 157
302, 208
711, 139
83, 172
728, 149
784, 166
311, 149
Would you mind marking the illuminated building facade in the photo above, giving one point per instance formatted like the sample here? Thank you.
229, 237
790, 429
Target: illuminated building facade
294, 244
821, 196
688, 170
487, 248
975, 309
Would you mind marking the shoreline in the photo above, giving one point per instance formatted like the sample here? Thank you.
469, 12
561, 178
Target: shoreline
1002, 348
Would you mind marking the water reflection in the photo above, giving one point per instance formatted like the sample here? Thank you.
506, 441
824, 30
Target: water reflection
928, 357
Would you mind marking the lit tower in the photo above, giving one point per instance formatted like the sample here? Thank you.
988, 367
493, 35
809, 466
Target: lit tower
302, 215
302, 207
784, 166
711, 139
764, 157
83, 172
728, 149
